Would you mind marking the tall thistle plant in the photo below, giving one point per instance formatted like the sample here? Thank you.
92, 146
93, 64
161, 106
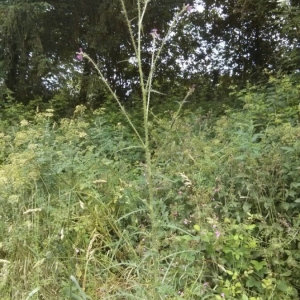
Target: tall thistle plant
145, 80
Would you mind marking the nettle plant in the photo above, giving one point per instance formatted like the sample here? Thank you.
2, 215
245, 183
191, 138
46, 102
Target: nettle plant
146, 87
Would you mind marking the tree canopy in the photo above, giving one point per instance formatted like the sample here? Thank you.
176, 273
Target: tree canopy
241, 39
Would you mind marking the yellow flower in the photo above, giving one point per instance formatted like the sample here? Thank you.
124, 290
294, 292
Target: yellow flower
80, 109
24, 123
82, 134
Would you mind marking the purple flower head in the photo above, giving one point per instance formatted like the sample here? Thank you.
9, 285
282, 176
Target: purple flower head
189, 8
79, 55
217, 233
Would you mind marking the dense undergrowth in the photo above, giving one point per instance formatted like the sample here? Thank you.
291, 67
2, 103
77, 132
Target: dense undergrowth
74, 216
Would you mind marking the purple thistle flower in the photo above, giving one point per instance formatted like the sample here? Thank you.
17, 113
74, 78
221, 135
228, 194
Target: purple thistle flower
217, 233
189, 8
79, 55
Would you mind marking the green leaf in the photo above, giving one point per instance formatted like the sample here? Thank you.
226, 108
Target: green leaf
258, 265
251, 282
287, 149
226, 249
237, 256
295, 184
282, 285
197, 227
250, 227
186, 238
286, 274
247, 206
286, 205
244, 297
240, 157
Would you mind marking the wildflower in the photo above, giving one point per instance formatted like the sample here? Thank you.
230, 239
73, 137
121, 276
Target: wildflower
154, 33
189, 8
48, 114
223, 295
79, 55
24, 123
217, 233
79, 109
12, 199
185, 221
82, 134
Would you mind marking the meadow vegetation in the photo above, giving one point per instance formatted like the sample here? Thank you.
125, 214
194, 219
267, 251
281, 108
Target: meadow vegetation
75, 220
175, 200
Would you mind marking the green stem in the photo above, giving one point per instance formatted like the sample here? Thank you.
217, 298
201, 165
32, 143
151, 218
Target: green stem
190, 92
129, 26
146, 91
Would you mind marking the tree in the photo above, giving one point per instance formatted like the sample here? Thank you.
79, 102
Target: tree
238, 39
41, 39
22, 57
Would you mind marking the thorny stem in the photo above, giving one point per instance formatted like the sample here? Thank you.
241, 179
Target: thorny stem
149, 83
129, 27
151, 204
146, 89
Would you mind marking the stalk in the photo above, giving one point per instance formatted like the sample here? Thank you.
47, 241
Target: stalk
146, 93
146, 89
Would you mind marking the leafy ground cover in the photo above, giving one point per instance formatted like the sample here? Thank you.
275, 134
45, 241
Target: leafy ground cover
75, 222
